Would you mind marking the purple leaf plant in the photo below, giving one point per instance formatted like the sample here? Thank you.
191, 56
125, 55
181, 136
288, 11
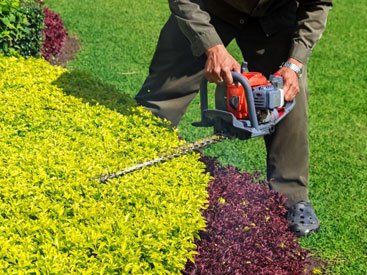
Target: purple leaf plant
247, 232
54, 35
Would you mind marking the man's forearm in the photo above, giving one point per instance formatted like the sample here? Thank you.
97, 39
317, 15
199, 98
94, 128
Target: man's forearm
312, 18
194, 22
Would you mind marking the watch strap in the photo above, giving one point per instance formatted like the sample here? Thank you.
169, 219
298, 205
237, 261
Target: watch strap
293, 67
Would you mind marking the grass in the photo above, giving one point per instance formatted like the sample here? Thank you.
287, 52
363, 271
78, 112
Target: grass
118, 39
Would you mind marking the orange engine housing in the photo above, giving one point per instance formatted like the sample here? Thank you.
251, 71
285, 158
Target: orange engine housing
236, 96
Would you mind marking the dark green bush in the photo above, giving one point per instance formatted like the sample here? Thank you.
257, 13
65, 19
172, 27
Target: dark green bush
21, 25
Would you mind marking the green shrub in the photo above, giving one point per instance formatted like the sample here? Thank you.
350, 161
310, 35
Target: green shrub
21, 25
55, 216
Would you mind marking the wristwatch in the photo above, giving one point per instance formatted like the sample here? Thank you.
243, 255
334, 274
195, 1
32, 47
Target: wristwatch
293, 67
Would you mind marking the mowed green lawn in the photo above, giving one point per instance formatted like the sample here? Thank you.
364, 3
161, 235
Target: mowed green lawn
118, 38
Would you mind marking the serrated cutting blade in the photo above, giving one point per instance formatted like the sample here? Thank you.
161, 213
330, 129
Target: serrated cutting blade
179, 151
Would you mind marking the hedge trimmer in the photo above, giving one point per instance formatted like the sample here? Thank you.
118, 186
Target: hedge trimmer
250, 107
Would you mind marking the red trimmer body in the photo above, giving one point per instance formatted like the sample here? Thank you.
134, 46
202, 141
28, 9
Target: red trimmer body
250, 107
236, 97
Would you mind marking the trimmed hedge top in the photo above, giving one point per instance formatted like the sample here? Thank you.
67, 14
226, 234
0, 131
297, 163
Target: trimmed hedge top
55, 216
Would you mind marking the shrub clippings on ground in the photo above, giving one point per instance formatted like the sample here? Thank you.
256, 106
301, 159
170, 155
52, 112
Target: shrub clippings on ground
246, 232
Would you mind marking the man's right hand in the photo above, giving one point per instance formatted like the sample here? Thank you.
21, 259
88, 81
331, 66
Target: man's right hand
220, 64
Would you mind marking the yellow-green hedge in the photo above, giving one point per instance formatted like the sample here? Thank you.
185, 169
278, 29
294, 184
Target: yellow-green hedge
55, 216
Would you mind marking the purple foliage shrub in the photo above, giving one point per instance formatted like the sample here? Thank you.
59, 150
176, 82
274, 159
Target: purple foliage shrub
54, 35
247, 232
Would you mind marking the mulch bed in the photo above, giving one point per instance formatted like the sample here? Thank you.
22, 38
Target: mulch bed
68, 51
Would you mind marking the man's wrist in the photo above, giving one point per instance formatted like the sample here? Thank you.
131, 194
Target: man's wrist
295, 61
294, 65
214, 48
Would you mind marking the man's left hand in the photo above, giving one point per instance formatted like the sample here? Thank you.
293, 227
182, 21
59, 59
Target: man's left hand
290, 78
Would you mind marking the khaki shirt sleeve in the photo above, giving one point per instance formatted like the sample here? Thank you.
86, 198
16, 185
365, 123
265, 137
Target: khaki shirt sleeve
312, 18
194, 22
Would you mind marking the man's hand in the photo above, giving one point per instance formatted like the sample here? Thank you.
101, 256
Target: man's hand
291, 85
219, 65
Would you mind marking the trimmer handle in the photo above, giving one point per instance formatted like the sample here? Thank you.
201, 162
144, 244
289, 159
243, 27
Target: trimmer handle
237, 77
204, 121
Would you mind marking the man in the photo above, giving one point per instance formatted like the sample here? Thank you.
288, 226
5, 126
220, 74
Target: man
273, 35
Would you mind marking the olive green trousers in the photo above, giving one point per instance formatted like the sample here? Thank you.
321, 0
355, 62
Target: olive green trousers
174, 79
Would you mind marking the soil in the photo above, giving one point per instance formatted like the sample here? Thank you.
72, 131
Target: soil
68, 51
315, 266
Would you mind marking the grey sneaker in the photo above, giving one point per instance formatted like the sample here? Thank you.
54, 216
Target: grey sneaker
302, 219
